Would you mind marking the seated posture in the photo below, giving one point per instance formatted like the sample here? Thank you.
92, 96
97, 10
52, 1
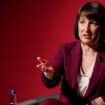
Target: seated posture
79, 65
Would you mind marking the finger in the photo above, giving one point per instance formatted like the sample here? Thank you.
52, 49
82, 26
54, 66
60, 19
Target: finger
40, 65
47, 69
41, 60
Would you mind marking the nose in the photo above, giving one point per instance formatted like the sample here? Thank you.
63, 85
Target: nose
87, 27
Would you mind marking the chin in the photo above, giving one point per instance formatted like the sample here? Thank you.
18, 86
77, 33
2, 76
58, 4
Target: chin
87, 42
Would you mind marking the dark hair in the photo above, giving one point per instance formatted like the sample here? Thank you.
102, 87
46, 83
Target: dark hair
94, 11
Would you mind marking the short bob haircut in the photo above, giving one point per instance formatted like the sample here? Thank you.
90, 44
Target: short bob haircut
93, 11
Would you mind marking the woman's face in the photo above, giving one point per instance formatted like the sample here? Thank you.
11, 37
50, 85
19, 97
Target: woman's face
87, 30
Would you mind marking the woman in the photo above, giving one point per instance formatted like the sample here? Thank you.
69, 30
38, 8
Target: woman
80, 65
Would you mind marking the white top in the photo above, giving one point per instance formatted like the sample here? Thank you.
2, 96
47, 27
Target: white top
84, 79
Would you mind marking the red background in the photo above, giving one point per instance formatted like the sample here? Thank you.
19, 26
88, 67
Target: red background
29, 29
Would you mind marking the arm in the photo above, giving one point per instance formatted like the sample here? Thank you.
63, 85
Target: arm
98, 101
51, 73
57, 65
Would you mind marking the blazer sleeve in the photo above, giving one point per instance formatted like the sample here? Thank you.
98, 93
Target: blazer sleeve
58, 64
100, 100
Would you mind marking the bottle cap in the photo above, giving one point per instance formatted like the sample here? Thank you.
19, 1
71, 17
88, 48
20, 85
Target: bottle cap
13, 91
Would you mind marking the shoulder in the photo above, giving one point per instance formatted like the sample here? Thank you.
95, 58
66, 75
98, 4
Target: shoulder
69, 46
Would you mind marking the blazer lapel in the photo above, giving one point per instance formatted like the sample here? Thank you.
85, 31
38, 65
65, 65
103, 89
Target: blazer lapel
73, 64
98, 70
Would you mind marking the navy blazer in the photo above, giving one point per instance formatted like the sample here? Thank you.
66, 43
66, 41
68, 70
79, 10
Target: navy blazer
66, 64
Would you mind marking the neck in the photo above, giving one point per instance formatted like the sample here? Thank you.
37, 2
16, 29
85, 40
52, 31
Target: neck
89, 50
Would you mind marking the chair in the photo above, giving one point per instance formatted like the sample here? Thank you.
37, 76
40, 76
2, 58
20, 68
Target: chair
37, 100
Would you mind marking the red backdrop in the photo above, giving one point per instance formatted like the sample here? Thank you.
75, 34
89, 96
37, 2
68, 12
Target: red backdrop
29, 29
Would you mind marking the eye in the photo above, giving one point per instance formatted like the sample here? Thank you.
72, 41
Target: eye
94, 23
81, 21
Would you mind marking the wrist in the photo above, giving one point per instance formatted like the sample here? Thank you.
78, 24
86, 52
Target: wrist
48, 75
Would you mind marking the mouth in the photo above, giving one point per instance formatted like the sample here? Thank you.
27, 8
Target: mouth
87, 36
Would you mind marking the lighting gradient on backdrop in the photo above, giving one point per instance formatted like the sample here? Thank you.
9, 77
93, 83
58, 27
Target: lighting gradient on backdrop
29, 29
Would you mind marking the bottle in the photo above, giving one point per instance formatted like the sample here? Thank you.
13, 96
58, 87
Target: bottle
13, 98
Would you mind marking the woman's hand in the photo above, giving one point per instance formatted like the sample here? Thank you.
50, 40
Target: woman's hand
46, 69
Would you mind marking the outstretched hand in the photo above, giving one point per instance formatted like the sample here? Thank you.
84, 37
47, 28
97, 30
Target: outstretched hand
45, 67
